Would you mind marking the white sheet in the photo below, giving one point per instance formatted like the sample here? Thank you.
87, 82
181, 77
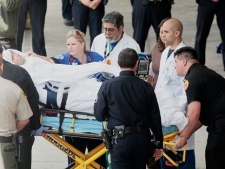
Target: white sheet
42, 71
83, 91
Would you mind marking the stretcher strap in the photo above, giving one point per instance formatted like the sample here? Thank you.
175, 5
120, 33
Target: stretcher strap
63, 103
62, 115
61, 118
51, 98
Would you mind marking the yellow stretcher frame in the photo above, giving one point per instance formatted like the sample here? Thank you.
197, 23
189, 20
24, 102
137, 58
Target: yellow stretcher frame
169, 142
82, 161
88, 161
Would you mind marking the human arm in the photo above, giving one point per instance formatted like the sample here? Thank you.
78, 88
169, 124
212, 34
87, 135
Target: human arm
20, 124
33, 100
7, 6
151, 75
150, 79
194, 124
23, 111
155, 119
100, 106
22, 78
32, 54
10, 5
3, 27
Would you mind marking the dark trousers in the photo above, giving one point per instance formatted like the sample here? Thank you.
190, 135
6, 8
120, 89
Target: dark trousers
37, 10
144, 16
84, 16
66, 9
26, 146
214, 156
132, 152
206, 11
81, 144
189, 162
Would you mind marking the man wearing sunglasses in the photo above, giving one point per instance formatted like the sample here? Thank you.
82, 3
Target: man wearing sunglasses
113, 39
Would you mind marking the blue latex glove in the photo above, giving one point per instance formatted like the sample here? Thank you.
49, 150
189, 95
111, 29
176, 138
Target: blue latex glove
39, 131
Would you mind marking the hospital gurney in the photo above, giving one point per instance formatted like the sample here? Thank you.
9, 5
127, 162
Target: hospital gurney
84, 125
73, 124
169, 134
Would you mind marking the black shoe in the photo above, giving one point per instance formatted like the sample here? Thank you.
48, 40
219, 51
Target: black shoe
68, 22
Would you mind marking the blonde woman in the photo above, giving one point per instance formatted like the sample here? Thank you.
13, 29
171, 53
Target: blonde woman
77, 53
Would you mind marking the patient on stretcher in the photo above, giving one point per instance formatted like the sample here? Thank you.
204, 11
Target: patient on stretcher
54, 80
58, 79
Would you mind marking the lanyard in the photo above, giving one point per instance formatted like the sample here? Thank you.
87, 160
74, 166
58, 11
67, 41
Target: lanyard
75, 61
106, 55
110, 50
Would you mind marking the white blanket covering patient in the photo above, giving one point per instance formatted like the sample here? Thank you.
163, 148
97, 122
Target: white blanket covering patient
83, 90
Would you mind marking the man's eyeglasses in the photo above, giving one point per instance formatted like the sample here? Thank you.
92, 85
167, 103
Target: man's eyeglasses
110, 30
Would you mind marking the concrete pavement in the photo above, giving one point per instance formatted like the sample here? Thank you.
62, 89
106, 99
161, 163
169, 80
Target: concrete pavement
46, 156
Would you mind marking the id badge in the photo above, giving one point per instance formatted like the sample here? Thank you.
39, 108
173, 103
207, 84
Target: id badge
166, 78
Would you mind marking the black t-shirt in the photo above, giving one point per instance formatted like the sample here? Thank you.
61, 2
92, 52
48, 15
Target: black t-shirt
207, 87
130, 101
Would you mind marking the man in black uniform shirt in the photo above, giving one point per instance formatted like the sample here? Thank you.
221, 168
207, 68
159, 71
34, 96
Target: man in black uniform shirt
130, 106
205, 91
21, 77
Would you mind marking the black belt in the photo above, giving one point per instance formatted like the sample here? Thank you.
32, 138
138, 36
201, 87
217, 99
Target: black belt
136, 129
5, 139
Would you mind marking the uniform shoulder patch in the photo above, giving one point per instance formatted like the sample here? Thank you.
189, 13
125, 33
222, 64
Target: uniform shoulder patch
186, 84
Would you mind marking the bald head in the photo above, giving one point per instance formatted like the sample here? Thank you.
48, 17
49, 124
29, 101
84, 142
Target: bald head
175, 25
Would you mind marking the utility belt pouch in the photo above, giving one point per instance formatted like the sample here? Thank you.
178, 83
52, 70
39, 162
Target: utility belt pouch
13, 146
106, 136
119, 132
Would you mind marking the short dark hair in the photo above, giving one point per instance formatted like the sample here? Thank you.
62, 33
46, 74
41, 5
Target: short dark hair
114, 18
186, 52
127, 58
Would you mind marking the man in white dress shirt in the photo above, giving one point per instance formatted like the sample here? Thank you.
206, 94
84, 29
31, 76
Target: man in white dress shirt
169, 88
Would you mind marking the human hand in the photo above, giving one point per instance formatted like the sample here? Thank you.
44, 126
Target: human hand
179, 143
158, 154
39, 131
215, 0
86, 2
95, 3
31, 53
